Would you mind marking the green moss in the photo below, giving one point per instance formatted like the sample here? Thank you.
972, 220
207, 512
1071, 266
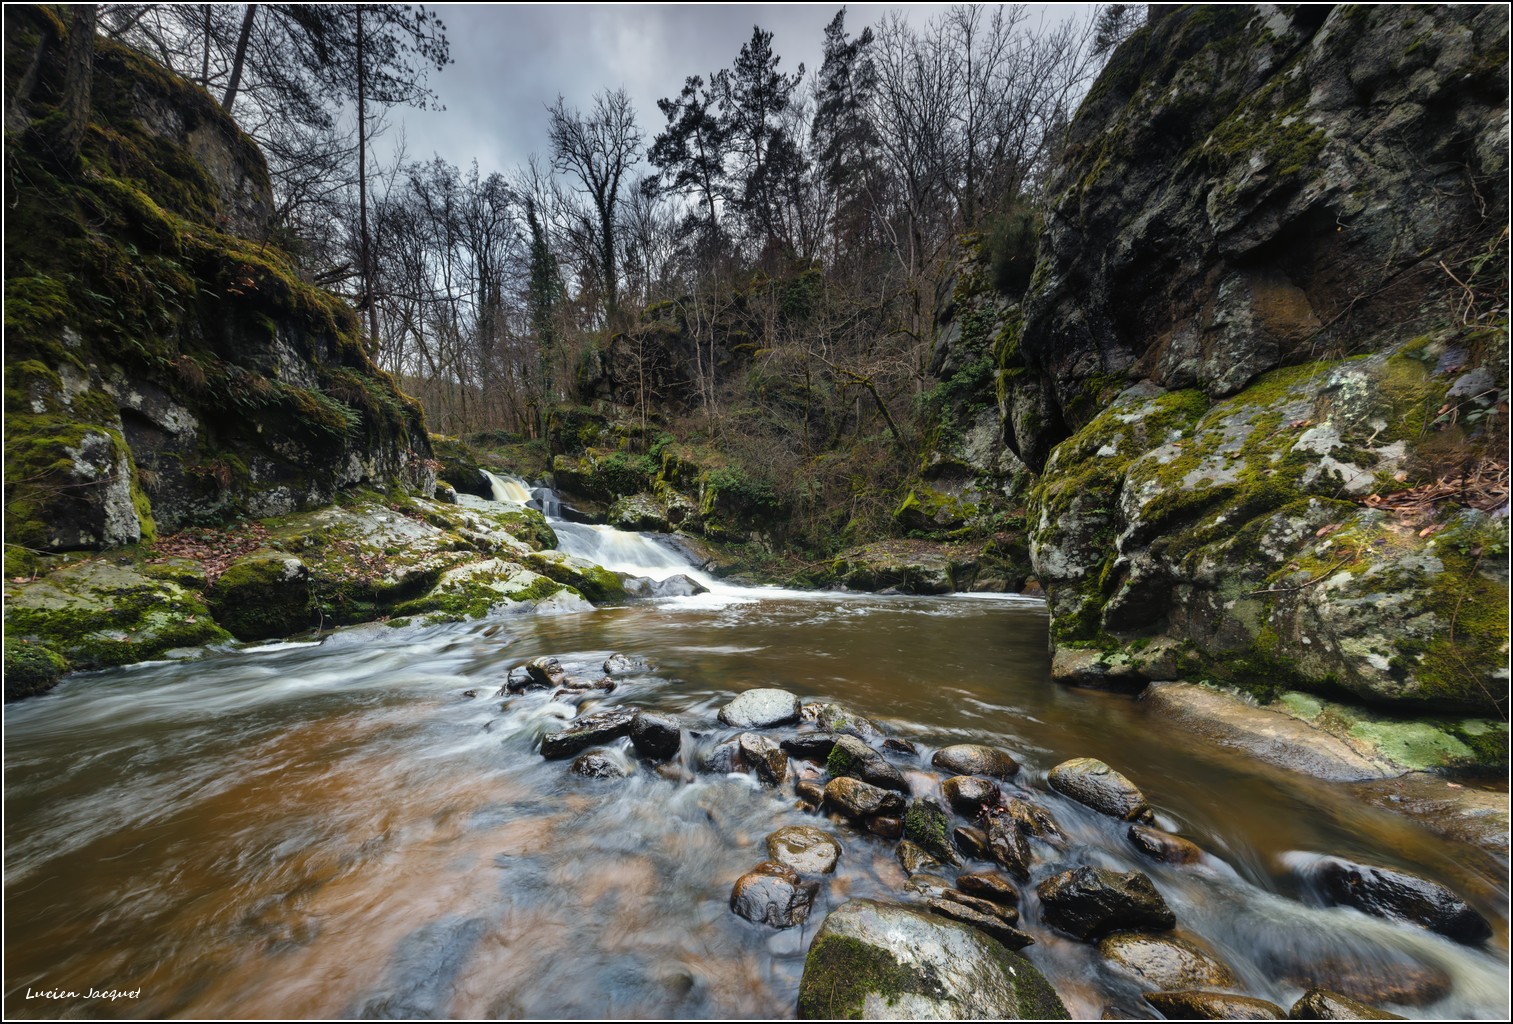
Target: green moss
926, 824
264, 595
1459, 665
31, 668
841, 972
840, 762
596, 583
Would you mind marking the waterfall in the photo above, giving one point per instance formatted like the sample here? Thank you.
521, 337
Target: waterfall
509, 490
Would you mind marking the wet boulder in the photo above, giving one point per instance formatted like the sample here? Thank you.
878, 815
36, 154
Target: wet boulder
969, 794
1091, 782
764, 755
885, 827
882, 961
674, 586
1383, 892
1165, 962
773, 894
810, 792
807, 850
809, 746
989, 885
1191, 1005
656, 736
976, 759
1163, 846
1008, 846
857, 799
838, 718
761, 709
1034, 821
624, 664
915, 859
1088, 903
595, 765
723, 758
1386, 975
971, 841
994, 924
544, 673
850, 756
589, 731
1322, 1004
927, 824
903, 748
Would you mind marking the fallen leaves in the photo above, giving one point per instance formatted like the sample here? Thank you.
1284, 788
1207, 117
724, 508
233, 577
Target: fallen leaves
1485, 487
215, 550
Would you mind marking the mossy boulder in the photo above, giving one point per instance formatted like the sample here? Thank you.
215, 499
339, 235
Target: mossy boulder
594, 582
98, 612
266, 594
31, 668
460, 467
880, 961
490, 587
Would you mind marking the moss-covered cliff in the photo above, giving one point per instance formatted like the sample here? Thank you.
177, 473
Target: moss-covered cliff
165, 363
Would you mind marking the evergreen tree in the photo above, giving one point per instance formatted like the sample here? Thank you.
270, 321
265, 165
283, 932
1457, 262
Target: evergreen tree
754, 96
690, 151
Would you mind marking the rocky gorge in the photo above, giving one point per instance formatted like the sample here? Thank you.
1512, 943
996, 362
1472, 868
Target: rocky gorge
1233, 461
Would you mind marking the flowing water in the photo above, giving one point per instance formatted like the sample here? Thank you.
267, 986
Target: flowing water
362, 826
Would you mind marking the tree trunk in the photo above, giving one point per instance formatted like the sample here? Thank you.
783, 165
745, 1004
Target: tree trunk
238, 60
77, 84
362, 186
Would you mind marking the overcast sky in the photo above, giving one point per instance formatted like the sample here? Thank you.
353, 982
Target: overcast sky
511, 61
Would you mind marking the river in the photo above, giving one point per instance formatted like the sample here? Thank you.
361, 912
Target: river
363, 827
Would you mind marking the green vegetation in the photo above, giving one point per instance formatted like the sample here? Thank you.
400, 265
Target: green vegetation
852, 970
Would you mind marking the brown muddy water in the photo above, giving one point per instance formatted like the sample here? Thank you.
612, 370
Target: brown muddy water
338, 830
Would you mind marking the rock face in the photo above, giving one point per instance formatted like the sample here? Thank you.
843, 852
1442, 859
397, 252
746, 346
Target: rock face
1238, 330
878, 961
1088, 903
165, 362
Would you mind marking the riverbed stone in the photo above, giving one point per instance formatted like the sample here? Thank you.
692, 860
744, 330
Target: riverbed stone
976, 759
655, 735
1165, 962
927, 824
1396, 977
1384, 892
761, 708
810, 792
838, 718
982, 906
1194, 1005
589, 731
993, 924
1034, 821
723, 758
545, 673
989, 885
914, 858
764, 756
595, 765
805, 849
1093, 783
971, 841
850, 756
882, 961
618, 664
809, 746
969, 794
1163, 846
773, 894
857, 799
1322, 1004
885, 826
1008, 846
902, 748
1088, 903
927, 885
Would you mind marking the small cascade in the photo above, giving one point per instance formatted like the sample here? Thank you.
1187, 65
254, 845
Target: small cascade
508, 489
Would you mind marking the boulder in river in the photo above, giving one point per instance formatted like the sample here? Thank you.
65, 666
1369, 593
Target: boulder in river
1193, 1005
761, 708
674, 586
1164, 846
810, 792
595, 765
971, 841
589, 731
809, 746
1165, 962
994, 924
723, 758
850, 756
1008, 846
764, 755
915, 859
618, 664
969, 794
773, 894
976, 759
838, 718
1322, 1004
1089, 781
656, 735
1034, 821
1384, 892
989, 885
1088, 903
886, 827
857, 799
544, 673
883, 961
805, 849
927, 824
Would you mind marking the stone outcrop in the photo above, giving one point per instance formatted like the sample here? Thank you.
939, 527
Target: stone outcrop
1267, 301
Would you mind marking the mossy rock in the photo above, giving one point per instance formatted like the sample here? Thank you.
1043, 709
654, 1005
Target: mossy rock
31, 668
596, 583
460, 467
263, 595
482, 588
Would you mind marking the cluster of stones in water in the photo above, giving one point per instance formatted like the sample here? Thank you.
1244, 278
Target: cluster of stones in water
1122, 912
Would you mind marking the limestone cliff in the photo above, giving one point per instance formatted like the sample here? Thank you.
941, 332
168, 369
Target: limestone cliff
1262, 368
166, 365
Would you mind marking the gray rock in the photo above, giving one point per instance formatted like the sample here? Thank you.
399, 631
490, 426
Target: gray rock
976, 759
589, 731
761, 709
1397, 894
1088, 903
597, 766
807, 850
883, 961
763, 754
656, 735
993, 924
915, 859
1164, 846
1189, 1005
1321, 1004
723, 758
809, 746
624, 664
1165, 962
1091, 782
773, 894
850, 756
857, 799
969, 794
